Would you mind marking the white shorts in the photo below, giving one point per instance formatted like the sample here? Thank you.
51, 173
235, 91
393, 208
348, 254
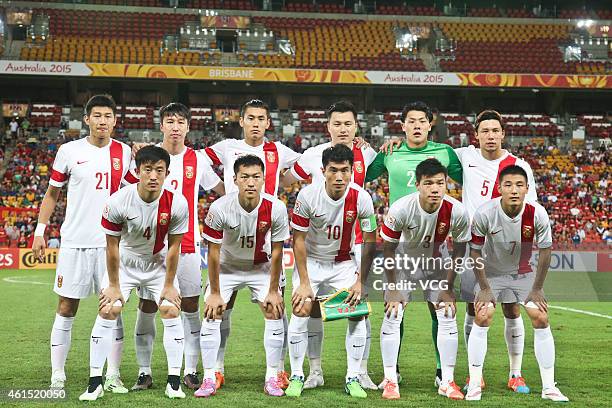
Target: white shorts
328, 277
79, 272
468, 285
145, 275
188, 275
510, 288
233, 278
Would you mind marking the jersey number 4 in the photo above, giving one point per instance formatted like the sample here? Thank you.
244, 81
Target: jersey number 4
147, 233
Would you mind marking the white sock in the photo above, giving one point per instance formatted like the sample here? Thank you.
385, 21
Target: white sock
273, 344
298, 344
514, 332
192, 326
448, 342
544, 347
114, 358
477, 350
226, 325
144, 337
366, 349
100, 345
174, 344
468, 322
390, 343
355, 343
281, 363
210, 339
61, 338
315, 343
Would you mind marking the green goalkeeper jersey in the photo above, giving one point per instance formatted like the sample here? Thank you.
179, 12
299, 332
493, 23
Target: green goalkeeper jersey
401, 166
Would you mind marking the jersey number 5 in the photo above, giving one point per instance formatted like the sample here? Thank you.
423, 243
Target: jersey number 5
485, 188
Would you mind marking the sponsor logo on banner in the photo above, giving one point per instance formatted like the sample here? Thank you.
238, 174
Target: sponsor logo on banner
288, 258
9, 258
44, 68
27, 260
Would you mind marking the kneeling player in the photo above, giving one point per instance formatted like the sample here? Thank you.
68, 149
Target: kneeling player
324, 231
245, 231
421, 222
145, 215
503, 232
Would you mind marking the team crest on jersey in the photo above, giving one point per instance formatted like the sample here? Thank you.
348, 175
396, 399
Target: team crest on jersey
350, 216
163, 218
189, 172
391, 221
270, 157
116, 163
60, 281
262, 226
209, 219
442, 228
105, 212
359, 167
528, 231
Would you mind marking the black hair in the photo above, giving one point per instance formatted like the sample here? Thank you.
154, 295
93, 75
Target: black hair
514, 169
152, 154
341, 107
254, 103
338, 154
429, 168
417, 106
100, 100
248, 160
175, 109
488, 114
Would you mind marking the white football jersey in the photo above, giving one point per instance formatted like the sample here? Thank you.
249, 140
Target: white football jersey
144, 227
246, 237
481, 177
507, 243
92, 174
424, 233
275, 156
331, 224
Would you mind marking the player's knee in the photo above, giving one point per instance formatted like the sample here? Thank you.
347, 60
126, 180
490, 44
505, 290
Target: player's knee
316, 310
539, 320
484, 319
147, 306
511, 310
111, 314
190, 304
168, 311
67, 307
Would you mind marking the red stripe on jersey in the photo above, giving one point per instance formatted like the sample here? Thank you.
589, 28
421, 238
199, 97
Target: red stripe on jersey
508, 161
116, 161
527, 233
300, 171
131, 178
359, 168
111, 225
264, 224
477, 240
190, 165
348, 221
213, 233
271, 156
443, 224
57, 176
213, 156
390, 233
299, 220
164, 214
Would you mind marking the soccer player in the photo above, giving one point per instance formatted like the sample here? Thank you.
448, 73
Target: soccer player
342, 126
245, 231
92, 168
424, 220
401, 164
151, 220
323, 221
480, 184
503, 232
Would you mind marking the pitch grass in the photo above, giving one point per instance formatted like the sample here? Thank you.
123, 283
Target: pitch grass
582, 344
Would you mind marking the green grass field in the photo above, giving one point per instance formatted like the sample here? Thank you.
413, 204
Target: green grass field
582, 342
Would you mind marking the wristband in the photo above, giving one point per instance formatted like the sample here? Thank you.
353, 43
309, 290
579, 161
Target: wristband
40, 229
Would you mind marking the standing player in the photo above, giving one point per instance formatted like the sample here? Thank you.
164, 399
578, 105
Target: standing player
424, 220
151, 220
503, 232
93, 168
401, 164
245, 230
324, 220
254, 120
342, 126
188, 171
480, 184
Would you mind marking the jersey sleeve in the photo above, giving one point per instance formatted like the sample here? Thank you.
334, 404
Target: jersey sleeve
213, 224
376, 168
300, 220
130, 176
60, 171
179, 221
393, 225
461, 225
289, 157
216, 153
543, 229
112, 217
208, 178
280, 224
459, 152
479, 230
302, 169
365, 212
369, 155
455, 170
